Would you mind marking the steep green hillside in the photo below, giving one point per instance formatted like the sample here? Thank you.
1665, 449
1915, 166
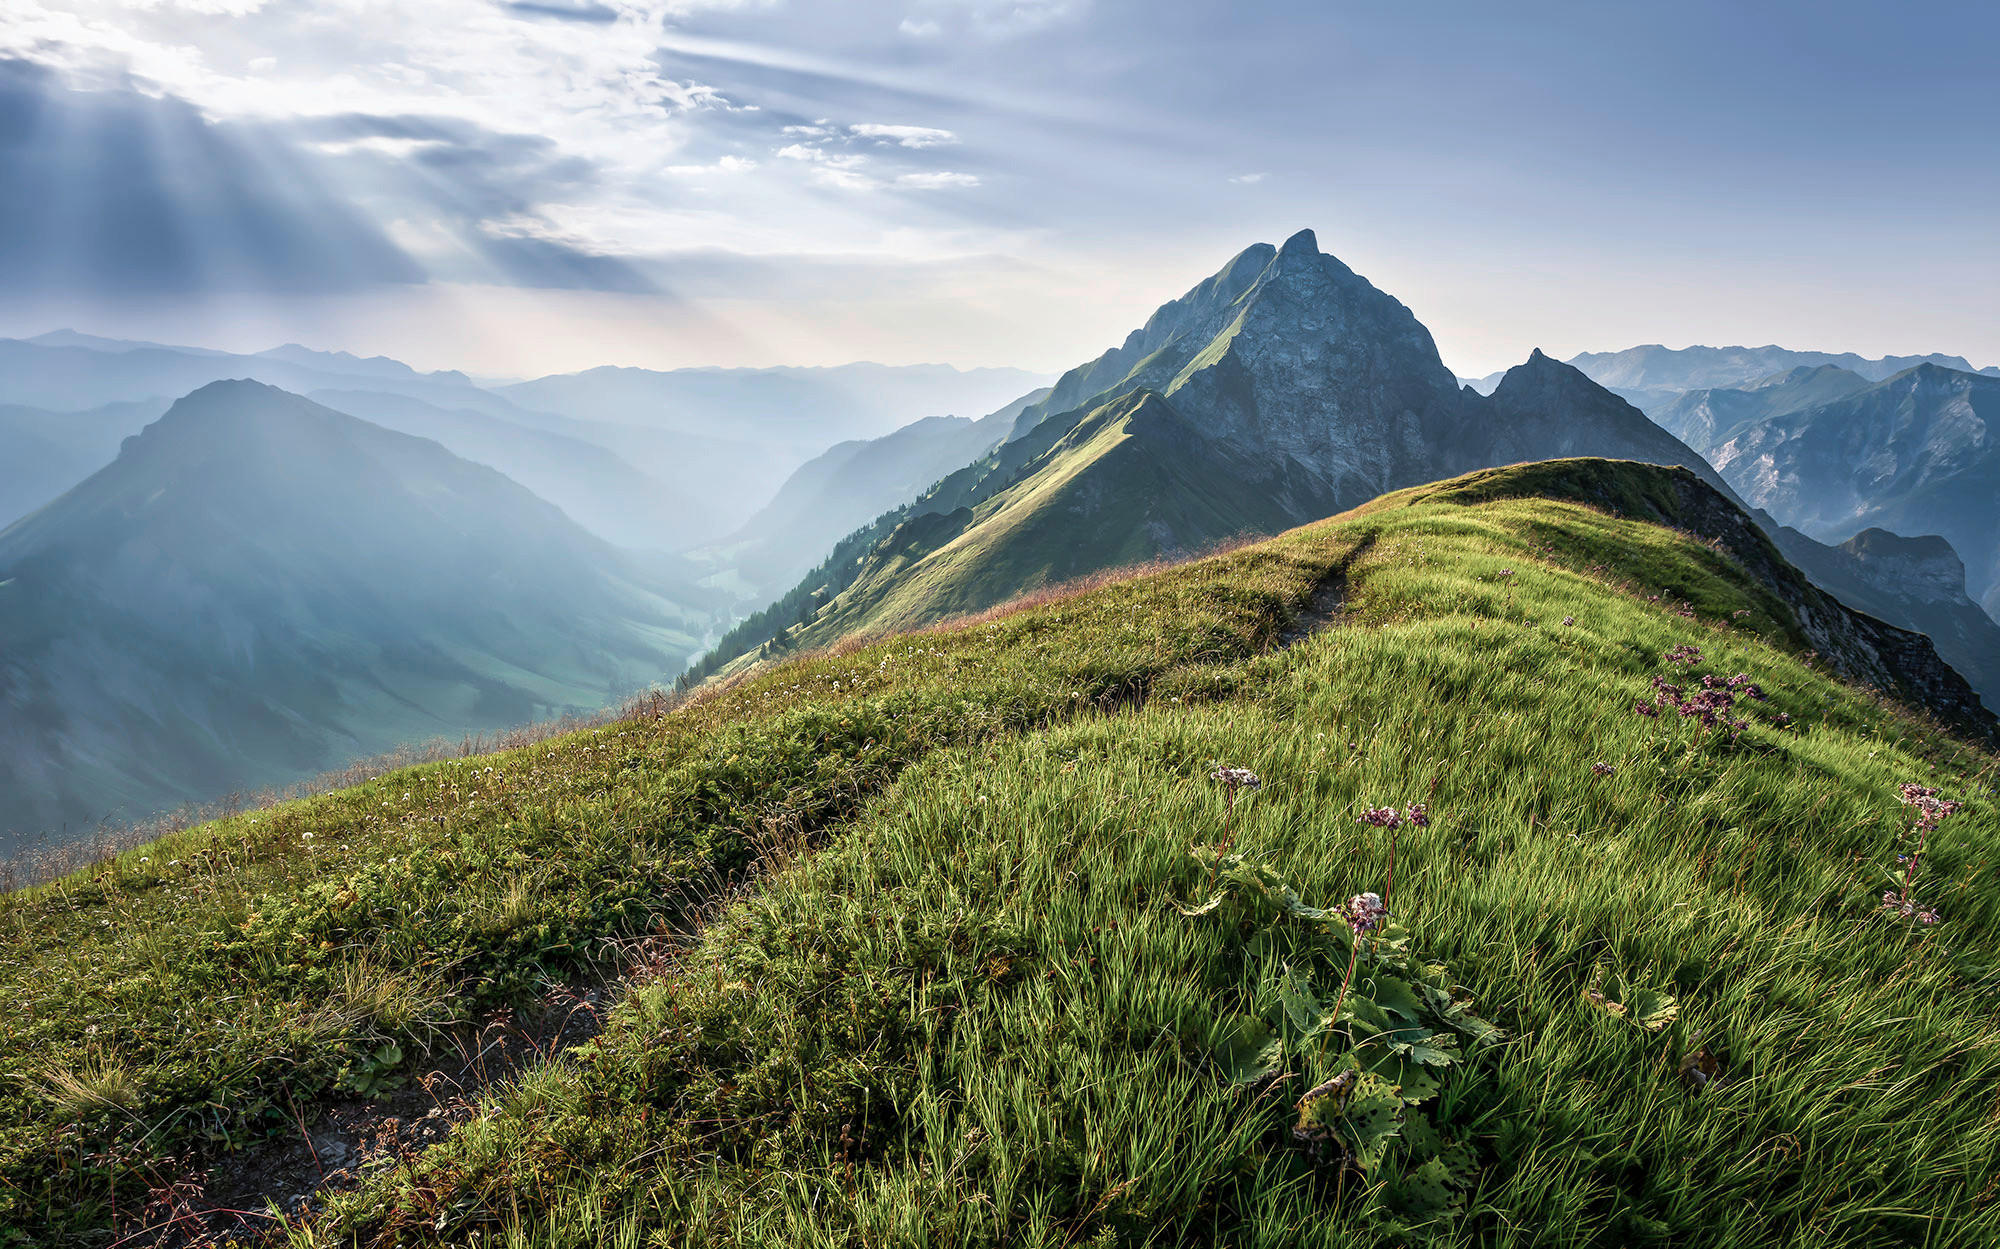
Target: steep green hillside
1130, 478
1016, 971
845, 487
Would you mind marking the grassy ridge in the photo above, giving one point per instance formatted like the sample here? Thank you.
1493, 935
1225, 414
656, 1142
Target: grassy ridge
208, 990
977, 1015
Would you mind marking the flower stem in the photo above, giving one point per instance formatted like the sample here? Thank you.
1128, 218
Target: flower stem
1353, 953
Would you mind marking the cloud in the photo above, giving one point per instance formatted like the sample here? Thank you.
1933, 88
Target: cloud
724, 165
937, 181
992, 19
123, 193
1247, 179
904, 136
842, 178
562, 12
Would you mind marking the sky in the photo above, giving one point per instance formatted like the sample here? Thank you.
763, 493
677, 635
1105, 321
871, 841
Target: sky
517, 187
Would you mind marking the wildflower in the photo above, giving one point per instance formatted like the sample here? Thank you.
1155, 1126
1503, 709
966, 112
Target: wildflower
1234, 779
1931, 811
1381, 817
1901, 904
1365, 912
1505, 573
1603, 769
1689, 655
1417, 815
1569, 620
1646, 709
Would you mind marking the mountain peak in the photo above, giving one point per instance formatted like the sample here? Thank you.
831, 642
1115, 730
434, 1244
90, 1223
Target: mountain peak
1305, 242
1544, 372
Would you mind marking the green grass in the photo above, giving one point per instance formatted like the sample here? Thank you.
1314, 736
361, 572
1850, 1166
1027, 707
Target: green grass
976, 1013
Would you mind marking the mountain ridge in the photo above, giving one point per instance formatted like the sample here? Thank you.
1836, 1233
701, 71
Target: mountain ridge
1283, 388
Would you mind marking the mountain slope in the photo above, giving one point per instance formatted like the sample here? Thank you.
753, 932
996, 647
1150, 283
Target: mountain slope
1281, 390
1915, 454
1011, 972
675, 488
1707, 418
44, 453
591, 484
1547, 410
260, 588
842, 489
1916, 583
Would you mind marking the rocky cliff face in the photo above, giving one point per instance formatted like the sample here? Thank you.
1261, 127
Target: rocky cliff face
1916, 583
1925, 569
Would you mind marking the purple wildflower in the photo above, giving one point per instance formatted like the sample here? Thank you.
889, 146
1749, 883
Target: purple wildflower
1418, 815
1899, 903
1603, 769
1569, 620
1365, 912
1744, 686
1689, 655
1381, 817
1931, 811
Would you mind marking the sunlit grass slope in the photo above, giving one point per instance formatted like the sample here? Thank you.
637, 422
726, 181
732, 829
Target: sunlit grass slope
980, 1012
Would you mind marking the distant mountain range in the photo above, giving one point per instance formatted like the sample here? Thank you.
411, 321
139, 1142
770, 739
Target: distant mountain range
1918, 453
258, 588
803, 409
644, 459
1652, 373
1281, 390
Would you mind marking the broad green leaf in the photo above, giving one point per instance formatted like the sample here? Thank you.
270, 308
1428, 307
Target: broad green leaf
1302, 1009
1395, 996
1249, 1051
1426, 1190
1642, 1007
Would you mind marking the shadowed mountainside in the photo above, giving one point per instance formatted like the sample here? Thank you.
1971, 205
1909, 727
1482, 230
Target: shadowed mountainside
259, 588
